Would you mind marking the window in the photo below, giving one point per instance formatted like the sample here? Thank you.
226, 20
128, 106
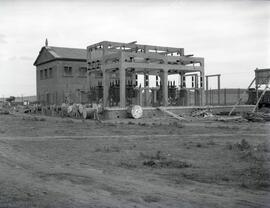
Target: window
41, 74
67, 71
82, 71
45, 73
50, 73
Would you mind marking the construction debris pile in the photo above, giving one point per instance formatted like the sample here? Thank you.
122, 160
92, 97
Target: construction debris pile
4, 109
260, 116
205, 113
257, 117
95, 111
65, 110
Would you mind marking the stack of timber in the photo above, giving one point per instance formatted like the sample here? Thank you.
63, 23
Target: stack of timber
81, 108
171, 113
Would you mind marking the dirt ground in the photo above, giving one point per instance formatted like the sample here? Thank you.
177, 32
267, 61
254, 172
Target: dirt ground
55, 162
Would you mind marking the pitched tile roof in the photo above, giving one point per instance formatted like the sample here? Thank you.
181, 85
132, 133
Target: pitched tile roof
56, 53
70, 53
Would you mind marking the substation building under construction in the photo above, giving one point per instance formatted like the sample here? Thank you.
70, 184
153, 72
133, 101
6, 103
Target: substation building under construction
124, 74
118, 75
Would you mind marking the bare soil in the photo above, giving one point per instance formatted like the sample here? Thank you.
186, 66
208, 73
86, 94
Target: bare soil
55, 162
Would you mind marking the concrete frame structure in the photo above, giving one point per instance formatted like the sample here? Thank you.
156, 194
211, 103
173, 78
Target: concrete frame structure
218, 87
108, 57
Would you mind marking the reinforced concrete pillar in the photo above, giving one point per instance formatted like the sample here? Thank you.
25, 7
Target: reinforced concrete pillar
202, 88
154, 97
196, 91
105, 87
122, 77
145, 84
182, 74
140, 97
165, 87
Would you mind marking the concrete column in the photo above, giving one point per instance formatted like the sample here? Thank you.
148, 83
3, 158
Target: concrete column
122, 77
144, 84
154, 96
140, 97
105, 87
182, 74
165, 87
202, 89
196, 91
196, 81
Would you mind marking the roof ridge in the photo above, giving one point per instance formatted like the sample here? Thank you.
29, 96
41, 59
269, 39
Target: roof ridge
66, 47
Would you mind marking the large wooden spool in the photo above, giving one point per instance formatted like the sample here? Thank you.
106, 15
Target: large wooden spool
135, 111
69, 109
81, 108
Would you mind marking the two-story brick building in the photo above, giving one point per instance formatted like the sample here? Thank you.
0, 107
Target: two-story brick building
61, 75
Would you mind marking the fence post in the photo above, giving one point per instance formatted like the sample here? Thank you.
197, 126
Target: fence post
225, 96
238, 94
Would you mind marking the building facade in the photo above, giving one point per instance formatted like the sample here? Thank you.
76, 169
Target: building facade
61, 75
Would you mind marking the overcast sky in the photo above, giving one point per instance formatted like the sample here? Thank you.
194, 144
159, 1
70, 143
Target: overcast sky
232, 36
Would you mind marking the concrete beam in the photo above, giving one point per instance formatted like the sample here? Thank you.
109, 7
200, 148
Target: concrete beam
163, 66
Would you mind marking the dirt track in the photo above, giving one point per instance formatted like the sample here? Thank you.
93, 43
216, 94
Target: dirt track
55, 162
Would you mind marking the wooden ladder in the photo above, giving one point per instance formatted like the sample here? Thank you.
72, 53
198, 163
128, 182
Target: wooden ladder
239, 100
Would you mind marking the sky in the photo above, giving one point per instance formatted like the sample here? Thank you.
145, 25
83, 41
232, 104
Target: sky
233, 35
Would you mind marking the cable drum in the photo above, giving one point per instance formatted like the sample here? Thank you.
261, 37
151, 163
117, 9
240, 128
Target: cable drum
81, 108
69, 109
135, 111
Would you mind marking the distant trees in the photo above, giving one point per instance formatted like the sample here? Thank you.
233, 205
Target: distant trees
10, 99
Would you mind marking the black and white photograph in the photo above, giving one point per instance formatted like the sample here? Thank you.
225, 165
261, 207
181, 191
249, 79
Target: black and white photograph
134, 104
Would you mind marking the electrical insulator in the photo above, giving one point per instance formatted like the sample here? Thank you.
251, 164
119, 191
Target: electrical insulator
146, 80
136, 79
201, 81
184, 81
